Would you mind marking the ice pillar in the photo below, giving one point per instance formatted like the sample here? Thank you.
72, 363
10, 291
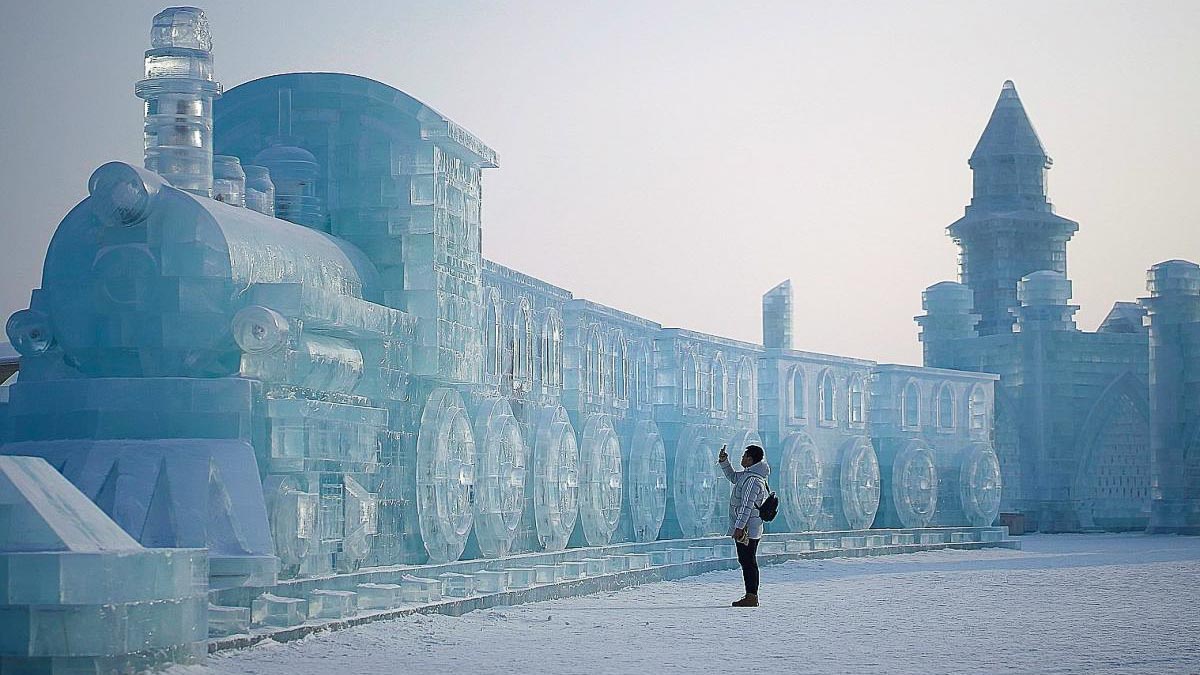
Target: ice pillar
777, 316
1174, 311
179, 90
948, 316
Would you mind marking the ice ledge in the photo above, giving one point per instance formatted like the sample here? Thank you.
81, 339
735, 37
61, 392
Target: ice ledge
623, 565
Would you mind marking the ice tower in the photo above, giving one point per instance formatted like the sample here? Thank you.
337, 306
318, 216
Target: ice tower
1072, 411
777, 316
1174, 318
1010, 228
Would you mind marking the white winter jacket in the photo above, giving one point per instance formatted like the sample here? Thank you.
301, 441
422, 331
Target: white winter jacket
749, 491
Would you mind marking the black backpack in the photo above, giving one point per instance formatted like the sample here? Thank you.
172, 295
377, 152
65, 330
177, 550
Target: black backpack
770, 506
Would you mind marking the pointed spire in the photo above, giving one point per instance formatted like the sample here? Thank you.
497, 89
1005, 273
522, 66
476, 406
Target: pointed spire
1009, 131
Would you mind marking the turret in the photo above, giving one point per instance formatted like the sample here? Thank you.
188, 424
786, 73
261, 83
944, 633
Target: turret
1174, 311
777, 316
1010, 229
948, 316
1044, 298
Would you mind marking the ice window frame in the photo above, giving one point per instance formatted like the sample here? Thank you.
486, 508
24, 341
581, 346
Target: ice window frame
910, 406
944, 406
826, 399
797, 394
720, 384
978, 409
746, 395
691, 380
856, 400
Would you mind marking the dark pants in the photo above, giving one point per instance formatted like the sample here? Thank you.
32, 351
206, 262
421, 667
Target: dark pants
749, 563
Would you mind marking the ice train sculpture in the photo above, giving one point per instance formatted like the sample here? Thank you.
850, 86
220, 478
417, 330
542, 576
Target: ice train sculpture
307, 366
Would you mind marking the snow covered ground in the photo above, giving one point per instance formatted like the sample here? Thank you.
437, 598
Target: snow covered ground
1064, 604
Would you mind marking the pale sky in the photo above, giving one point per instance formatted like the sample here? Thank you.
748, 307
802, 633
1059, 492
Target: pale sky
678, 159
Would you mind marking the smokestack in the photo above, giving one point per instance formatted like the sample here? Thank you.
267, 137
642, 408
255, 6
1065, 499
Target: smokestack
179, 90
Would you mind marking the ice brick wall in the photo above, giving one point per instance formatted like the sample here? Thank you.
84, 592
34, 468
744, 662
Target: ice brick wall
398, 180
608, 398
932, 431
815, 410
705, 396
78, 594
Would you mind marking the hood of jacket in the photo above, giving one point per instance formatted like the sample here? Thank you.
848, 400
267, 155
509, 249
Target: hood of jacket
761, 469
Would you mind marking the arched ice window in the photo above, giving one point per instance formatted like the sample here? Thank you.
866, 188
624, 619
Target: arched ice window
691, 380
945, 407
857, 398
798, 397
745, 386
620, 366
594, 377
645, 367
492, 339
522, 345
910, 406
825, 398
719, 383
979, 411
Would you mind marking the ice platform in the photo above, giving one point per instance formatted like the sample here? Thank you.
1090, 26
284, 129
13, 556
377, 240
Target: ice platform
527, 577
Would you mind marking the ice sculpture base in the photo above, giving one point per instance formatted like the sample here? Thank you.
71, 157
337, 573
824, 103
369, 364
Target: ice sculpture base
534, 577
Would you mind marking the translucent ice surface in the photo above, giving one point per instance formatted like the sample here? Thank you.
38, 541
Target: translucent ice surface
79, 594
600, 480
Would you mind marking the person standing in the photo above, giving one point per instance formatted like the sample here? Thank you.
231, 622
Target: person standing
745, 524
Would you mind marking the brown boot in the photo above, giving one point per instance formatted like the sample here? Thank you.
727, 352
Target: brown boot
751, 600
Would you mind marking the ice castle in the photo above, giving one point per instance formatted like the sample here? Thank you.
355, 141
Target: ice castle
276, 358
1093, 429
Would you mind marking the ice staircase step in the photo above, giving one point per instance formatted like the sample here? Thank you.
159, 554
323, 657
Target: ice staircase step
772, 547
456, 585
876, 540
826, 544
854, 542
491, 581
933, 538
325, 604
678, 555
545, 574
615, 563
798, 546
961, 537
379, 596
274, 610
992, 535
521, 577
903, 539
637, 561
223, 621
419, 589
573, 569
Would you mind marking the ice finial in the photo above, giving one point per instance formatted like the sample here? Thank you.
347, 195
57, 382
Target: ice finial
1009, 131
179, 90
185, 27
1009, 162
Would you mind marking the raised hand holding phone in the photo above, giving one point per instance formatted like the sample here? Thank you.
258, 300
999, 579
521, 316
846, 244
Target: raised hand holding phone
722, 456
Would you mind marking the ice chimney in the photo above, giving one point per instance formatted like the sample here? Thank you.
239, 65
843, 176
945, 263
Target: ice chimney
777, 316
179, 90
